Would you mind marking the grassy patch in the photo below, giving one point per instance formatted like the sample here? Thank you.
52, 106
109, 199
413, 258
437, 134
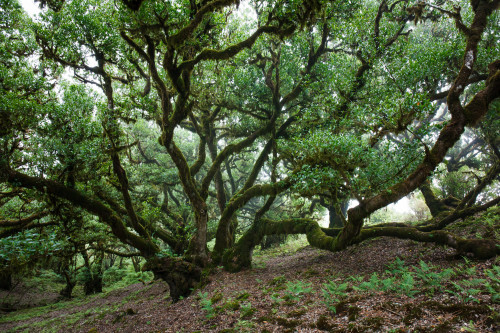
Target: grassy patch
292, 245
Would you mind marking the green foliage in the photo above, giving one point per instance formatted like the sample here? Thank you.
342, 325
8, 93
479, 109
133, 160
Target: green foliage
115, 277
114, 274
333, 293
44, 280
457, 184
397, 267
23, 247
466, 290
246, 310
493, 284
431, 278
462, 283
295, 290
206, 305
351, 126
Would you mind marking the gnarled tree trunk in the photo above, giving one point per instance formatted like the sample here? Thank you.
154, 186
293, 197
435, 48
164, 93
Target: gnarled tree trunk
437, 206
182, 276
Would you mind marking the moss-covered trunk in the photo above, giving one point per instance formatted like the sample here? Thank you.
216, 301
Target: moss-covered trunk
181, 276
335, 220
67, 291
435, 205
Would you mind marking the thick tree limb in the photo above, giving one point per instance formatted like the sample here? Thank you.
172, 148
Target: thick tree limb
91, 205
31, 225
240, 256
23, 221
450, 134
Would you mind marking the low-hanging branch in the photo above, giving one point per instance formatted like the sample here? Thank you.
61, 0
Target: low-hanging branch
23, 221
93, 206
239, 257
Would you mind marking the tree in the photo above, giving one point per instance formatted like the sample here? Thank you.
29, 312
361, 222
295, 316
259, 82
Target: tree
198, 114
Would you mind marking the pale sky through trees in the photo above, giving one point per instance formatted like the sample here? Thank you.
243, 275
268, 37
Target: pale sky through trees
30, 7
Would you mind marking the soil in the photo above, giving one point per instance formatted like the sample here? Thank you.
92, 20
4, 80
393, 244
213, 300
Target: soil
255, 300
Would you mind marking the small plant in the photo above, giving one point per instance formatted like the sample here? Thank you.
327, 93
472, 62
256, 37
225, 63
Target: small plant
356, 279
469, 327
244, 326
276, 299
465, 291
206, 305
430, 279
372, 284
243, 296
397, 267
333, 293
295, 290
247, 310
407, 284
493, 286
277, 281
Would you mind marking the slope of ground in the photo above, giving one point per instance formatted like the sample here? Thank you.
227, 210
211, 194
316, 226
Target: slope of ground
383, 285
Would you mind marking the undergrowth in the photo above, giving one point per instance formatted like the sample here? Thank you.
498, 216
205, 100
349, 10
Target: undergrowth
463, 284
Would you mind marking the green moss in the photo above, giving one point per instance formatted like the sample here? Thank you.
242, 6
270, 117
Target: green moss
296, 313
288, 323
310, 273
231, 305
493, 318
373, 323
277, 281
353, 313
247, 313
323, 324
264, 319
243, 296
216, 298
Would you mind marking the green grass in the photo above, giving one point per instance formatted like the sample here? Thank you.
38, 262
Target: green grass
49, 281
292, 245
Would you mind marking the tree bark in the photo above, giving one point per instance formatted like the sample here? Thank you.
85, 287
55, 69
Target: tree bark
460, 118
435, 205
182, 276
336, 221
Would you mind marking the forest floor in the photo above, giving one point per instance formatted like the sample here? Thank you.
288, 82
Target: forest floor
382, 285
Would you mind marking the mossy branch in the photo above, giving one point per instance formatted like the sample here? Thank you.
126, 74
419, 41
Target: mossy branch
240, 256
91, 205
228, 151
448, 136
230, 51
23, 221
185, 33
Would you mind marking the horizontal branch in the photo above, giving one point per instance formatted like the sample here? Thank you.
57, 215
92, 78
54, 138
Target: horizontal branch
84, 201
239, 257
23, 221
124, 255
230, 51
